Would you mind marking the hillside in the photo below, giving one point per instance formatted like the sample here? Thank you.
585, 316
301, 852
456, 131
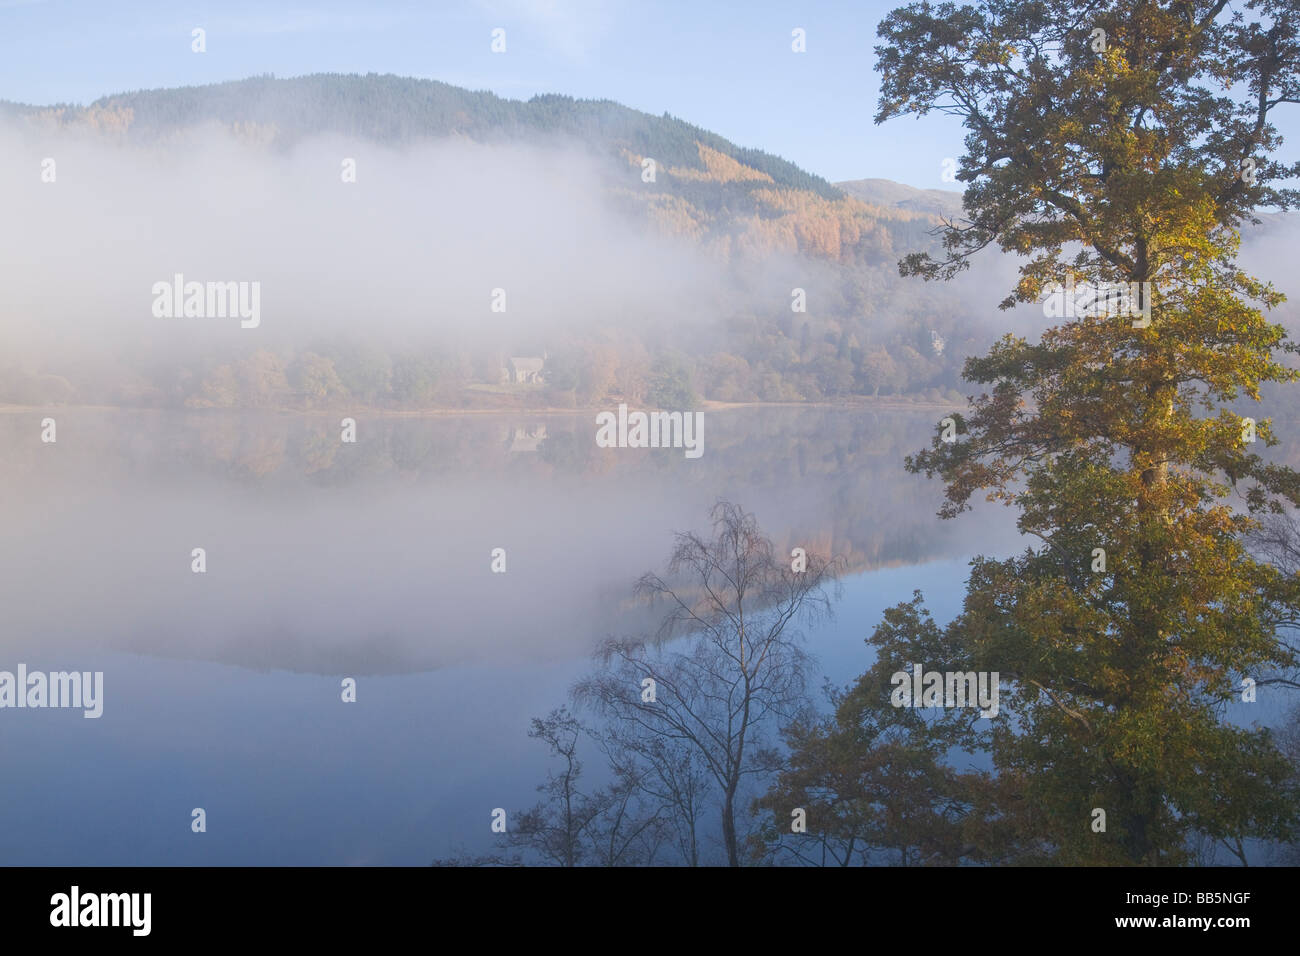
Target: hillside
396, 110
753, 217
705, 187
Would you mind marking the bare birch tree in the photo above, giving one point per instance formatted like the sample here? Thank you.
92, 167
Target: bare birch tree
726, 665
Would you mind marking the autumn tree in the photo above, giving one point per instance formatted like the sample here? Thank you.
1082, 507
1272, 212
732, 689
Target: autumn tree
670, 384
366, 373
876, 783
1124, 142
262, 381
315, 380
877, 370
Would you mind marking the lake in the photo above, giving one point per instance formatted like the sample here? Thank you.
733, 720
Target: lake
327, 560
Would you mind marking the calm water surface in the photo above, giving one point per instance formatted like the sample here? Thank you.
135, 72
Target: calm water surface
325, 561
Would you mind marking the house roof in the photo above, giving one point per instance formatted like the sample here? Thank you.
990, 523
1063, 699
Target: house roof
525, 364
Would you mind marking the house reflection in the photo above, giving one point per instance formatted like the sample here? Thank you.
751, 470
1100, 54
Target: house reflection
526, 437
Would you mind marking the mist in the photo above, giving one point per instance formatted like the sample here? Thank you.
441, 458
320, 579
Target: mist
408, 253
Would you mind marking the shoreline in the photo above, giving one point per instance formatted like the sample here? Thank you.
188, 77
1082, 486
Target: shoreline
550, 411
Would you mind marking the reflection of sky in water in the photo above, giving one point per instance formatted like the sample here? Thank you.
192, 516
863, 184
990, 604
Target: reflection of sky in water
374, 559
290, 775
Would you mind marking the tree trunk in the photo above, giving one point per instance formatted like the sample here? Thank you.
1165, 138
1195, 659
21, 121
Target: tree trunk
1139, 812
729, 826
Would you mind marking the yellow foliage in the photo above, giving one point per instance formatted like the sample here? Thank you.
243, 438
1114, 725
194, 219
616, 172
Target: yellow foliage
826, 227
718, 168
112, 120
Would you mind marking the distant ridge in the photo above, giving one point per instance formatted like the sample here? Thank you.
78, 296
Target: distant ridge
887, 193
733, 199
397, 110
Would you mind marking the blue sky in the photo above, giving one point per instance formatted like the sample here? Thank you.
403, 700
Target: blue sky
725, 66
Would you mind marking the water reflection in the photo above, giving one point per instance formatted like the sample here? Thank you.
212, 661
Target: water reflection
374, 557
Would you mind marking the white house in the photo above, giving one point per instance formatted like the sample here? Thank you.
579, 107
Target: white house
524, 370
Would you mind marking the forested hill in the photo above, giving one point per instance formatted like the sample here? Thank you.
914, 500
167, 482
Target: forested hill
705, 187
867, 333
396, 110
